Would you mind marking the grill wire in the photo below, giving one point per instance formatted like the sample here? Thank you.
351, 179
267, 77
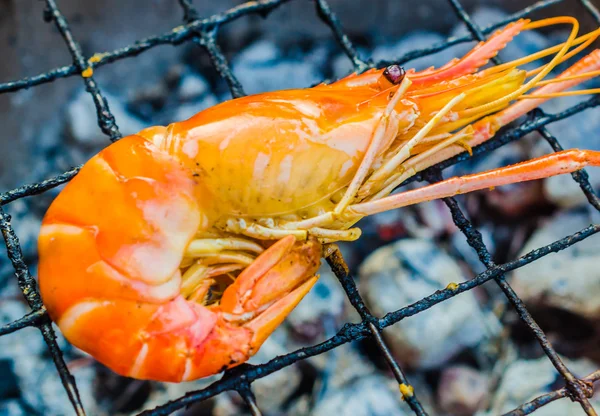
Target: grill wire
203, 31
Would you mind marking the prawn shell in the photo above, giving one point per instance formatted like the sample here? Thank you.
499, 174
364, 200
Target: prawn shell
118, 229
235, 148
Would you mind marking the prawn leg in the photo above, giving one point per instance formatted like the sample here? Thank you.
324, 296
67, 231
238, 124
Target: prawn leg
550, 165
388, 168
277, 280
386, 128
261, 232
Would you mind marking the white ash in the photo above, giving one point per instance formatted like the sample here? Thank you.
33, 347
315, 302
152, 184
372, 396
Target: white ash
437, 219
82, 120
577, 132
38, 379
226, 405
339, 367
341, 66
12, 407
569, 279
324, 302
406, 271
343, 368
300, 407
369, 396
414, 41
192, 87
468, 253
26, 226
275, 389
11, 311
271, 392
524, 380
462, 390
262, 67
188, 110
164, 392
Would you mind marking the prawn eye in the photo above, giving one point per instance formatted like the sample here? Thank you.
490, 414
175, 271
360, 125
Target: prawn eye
394, 74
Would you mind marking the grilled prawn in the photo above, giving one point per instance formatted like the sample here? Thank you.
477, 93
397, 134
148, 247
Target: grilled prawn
175, 252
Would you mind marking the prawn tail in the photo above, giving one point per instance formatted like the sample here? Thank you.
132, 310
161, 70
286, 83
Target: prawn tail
110, 248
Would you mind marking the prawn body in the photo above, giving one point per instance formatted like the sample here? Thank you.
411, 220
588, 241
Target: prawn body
175, 252
297, 148
259, 174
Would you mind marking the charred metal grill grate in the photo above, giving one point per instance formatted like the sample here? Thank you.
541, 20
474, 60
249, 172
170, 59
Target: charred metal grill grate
203, 32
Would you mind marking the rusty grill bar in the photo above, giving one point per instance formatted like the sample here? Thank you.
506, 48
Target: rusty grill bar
203, 31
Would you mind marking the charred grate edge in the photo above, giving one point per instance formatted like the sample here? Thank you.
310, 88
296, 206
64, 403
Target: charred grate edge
203, 31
